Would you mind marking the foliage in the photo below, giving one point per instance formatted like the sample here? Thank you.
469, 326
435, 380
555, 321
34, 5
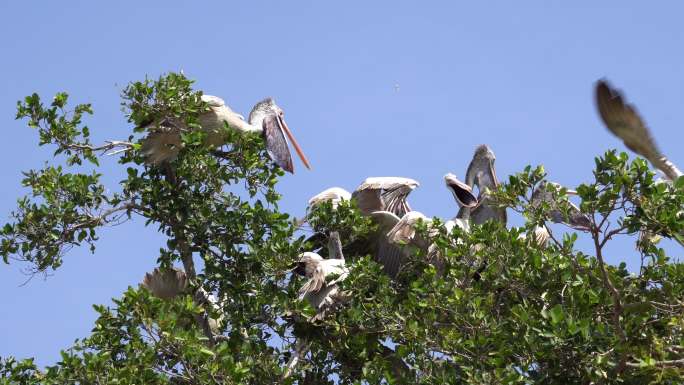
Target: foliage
501, 308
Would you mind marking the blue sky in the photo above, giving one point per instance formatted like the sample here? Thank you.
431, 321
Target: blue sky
370, 88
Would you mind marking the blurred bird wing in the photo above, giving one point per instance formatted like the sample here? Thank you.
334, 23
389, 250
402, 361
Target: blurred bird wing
623, 121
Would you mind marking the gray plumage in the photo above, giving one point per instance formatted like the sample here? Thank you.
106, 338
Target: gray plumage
481, 173
575, 218
623, 121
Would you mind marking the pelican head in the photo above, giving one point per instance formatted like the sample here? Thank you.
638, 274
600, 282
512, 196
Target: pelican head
269, 116
461, 191
481, 169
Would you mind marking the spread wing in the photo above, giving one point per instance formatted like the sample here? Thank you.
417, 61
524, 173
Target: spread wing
165, 284
385, 193
623, 121
388, 254
276, 144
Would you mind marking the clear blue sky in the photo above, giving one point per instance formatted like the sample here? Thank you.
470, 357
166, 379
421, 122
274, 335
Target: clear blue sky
370, 88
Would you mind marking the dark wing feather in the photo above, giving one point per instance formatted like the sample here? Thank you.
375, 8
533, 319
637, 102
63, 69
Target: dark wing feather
623, 121
276, 144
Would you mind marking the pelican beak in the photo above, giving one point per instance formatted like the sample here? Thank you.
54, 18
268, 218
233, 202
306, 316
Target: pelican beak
461, 191
284, 128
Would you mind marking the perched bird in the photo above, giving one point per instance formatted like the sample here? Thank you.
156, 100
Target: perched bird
384, 194
623, 121
575, 218
163, 143
166, 284
481, 173
539, 235
335, 195
395, 232
320, 289
170, 283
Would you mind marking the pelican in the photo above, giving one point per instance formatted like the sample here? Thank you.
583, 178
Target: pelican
481, 173
624, 121
166, 284
575, 218
335, 195
395, 232
170, 283
266, 118
384, 194
321, 289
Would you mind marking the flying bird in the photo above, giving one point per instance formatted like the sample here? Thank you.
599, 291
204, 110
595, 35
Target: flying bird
163, 143
481, 173
623, 121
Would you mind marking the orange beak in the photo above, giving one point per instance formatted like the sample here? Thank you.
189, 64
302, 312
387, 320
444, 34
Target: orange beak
287, 131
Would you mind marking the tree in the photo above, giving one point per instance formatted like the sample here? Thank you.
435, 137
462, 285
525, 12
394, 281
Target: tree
500, 308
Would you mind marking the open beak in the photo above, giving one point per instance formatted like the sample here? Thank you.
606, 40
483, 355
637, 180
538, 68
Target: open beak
287, 132
462, 192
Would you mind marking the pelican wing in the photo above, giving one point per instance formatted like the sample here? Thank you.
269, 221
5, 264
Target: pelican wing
333, 194
405, 230
166, 284
276, 144
315, 282
623, 121
388, 254
390, 191
161, 145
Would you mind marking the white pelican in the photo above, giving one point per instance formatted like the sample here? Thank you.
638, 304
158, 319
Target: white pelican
624, 121
164, 140
481, 173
